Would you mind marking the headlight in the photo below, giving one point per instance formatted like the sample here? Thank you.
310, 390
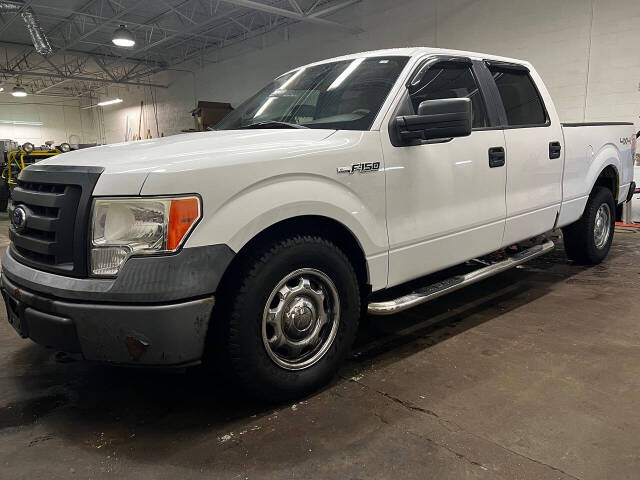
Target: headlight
28, 147
64, 147
122, 227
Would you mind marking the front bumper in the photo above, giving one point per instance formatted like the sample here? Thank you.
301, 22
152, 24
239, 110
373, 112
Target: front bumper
149, 332
168, 334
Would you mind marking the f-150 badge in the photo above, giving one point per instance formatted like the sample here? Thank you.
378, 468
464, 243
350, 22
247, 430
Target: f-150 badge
364, 167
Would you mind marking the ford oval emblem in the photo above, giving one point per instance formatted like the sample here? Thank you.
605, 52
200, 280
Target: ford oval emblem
19, 219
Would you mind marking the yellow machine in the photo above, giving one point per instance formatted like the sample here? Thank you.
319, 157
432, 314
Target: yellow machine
18, 159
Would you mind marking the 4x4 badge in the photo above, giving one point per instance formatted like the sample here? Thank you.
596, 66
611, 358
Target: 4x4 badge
364, 167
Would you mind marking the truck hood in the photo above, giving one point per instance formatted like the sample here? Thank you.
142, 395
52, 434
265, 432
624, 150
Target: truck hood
127, 165
211, 147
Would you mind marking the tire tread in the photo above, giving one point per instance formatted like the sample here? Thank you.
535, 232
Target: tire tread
578, 237
252, 264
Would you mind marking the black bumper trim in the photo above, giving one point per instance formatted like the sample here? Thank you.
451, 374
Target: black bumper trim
43, 328
171, 334
190, 273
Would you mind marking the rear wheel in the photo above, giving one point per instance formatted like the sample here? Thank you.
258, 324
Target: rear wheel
292, 318
588, 240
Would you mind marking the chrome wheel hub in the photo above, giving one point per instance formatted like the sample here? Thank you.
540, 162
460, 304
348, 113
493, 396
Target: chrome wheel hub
301, 318
602, 226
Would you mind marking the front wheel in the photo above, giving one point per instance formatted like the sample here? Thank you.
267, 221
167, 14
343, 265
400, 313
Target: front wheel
292, 321
588, 240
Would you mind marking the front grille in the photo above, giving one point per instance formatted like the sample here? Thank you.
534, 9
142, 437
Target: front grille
43, 187
57, 201
51, 212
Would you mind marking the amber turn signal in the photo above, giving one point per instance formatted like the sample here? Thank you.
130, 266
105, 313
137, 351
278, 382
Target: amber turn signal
184, 213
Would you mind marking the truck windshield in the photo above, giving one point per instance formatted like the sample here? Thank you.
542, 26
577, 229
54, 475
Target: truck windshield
343, 95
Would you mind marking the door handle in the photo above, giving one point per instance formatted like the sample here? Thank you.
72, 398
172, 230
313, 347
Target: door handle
554, 150
496, 157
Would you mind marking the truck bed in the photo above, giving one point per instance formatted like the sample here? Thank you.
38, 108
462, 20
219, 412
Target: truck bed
590, 147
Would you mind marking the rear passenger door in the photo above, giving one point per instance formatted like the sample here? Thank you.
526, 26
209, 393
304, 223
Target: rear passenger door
535, 151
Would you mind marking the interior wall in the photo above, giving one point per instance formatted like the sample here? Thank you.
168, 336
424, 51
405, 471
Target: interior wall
585, 50
165, 111
62, 120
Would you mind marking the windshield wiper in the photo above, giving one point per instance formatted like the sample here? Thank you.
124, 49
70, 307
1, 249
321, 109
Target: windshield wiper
272, 124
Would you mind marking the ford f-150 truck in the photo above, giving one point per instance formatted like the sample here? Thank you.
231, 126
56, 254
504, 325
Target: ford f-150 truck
258, 246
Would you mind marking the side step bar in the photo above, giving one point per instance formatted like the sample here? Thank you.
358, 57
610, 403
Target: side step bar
457, 282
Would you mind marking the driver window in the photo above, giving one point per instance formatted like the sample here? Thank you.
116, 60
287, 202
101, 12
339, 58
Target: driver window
450, 80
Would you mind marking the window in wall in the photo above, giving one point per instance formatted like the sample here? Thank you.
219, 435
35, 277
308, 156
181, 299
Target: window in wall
520, 97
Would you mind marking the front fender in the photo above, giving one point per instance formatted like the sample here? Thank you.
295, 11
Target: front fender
279, 198
246, 190
283, 197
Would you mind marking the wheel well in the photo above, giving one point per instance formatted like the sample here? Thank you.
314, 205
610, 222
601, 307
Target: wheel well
310, 225
609, 179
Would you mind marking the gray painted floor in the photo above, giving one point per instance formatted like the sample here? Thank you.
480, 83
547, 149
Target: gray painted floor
534, 374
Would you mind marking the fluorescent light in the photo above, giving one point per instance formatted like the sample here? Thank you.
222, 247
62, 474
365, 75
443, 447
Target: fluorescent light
292, 78
264, 106
347, 72
122, 37
18, 91
109, 102
21, 122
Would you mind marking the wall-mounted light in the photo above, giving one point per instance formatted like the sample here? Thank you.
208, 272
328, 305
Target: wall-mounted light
122, 37
19, 91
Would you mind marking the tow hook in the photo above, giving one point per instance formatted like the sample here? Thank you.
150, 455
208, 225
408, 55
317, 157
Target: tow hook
136, 347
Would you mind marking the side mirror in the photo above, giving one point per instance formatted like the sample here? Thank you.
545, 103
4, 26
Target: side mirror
436, 119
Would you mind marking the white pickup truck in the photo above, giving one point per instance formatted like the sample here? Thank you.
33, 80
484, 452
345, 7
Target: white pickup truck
259, 245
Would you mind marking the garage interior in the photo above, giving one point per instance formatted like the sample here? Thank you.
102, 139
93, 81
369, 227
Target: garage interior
533, 374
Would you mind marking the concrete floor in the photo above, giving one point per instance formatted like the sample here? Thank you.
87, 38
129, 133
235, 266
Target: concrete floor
534, 374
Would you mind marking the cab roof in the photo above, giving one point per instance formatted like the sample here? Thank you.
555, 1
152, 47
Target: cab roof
418, 52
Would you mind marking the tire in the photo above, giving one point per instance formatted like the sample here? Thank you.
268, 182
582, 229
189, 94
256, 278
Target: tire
585, 242
4, 195
264, 318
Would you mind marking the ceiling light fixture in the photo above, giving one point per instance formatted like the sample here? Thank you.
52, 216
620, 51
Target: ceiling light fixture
18, 91
122, 37
110, 102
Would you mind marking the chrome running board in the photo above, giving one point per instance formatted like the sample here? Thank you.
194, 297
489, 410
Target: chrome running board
457, 282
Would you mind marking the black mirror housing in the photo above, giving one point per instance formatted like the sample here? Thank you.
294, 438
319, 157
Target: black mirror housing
436, 119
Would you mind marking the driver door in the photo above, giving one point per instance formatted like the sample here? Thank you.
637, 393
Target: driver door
445, 202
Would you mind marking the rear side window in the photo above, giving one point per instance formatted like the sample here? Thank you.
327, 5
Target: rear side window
520, 97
